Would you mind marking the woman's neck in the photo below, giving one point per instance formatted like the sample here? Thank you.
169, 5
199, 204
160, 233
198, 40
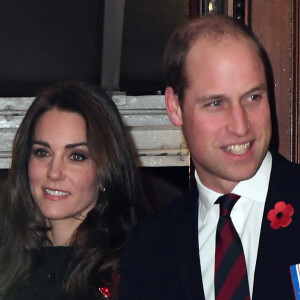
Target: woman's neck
61, 231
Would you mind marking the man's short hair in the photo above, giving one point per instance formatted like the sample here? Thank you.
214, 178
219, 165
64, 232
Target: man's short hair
209, 27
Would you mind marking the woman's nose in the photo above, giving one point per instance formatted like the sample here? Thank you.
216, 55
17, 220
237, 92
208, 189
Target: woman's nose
56, 170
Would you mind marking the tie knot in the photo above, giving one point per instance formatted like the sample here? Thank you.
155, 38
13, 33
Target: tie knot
227, 202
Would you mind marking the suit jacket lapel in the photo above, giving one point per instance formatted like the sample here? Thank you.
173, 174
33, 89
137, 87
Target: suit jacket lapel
187, 250
273, 258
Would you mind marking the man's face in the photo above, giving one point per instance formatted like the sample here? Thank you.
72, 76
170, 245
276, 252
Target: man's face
225, 116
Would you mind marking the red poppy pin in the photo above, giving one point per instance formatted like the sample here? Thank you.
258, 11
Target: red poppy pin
108, 291
104, 291
281, 215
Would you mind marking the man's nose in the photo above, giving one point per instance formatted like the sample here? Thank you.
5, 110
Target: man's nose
238, 122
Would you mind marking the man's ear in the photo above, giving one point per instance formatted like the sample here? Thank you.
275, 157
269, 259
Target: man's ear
173, 107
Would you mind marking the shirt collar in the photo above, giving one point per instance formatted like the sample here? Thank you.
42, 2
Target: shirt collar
255, 188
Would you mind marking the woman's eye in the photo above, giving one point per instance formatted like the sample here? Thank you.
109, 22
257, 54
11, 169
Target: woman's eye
78, 157
40, 153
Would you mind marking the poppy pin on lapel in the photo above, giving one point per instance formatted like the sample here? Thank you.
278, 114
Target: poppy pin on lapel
280, 215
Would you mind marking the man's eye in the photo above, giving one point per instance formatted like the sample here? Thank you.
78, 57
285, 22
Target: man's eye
40, 153
255, 97
78, 157
215, 103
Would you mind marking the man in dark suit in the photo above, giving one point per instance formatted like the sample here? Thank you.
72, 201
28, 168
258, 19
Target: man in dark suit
218, 93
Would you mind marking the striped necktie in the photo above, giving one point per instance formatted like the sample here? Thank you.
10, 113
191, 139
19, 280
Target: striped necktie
231, 280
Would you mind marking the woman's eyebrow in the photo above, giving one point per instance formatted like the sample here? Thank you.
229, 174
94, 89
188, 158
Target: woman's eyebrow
69, 146
45, 144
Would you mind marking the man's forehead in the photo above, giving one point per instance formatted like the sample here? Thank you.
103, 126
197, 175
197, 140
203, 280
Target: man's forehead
217, 39
208, 57
211, 42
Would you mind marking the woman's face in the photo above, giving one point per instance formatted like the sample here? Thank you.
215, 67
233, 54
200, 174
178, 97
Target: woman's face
62, 173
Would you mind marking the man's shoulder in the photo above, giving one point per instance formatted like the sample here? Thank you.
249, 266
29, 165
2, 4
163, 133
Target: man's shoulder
284, 181
284, 167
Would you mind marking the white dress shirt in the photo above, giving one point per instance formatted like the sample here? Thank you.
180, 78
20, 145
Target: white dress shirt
246, 216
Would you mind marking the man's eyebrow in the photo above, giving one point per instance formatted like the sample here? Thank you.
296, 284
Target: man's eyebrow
261, 87
212, 97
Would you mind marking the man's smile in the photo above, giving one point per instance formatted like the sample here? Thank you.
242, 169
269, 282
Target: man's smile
237, 149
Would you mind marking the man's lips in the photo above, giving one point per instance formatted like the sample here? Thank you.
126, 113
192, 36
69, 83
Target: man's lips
238, 149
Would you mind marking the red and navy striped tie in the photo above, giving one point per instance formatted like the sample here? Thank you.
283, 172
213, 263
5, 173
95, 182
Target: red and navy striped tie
231, 280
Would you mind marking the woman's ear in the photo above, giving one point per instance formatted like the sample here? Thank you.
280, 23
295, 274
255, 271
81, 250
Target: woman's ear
173, 107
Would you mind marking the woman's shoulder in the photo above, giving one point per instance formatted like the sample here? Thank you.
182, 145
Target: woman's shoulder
45, 280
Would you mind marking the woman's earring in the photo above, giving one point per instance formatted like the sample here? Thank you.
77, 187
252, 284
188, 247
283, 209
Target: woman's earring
101, 188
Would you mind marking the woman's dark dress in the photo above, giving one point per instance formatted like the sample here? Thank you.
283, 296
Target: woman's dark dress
45, 281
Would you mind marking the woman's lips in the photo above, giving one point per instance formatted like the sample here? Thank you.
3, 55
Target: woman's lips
55, 193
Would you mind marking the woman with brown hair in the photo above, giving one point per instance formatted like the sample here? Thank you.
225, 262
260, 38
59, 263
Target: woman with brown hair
73, 194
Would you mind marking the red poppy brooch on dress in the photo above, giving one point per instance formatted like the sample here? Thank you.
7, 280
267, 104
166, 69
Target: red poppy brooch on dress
108, 290
281, 215
104, 291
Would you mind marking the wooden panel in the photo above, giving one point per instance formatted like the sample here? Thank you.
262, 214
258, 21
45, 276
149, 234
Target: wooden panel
235, 5
194, 8
159, 138
271, 21
296, 82
160, 160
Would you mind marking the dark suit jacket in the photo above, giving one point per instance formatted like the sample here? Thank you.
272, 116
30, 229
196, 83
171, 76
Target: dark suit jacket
161, 256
